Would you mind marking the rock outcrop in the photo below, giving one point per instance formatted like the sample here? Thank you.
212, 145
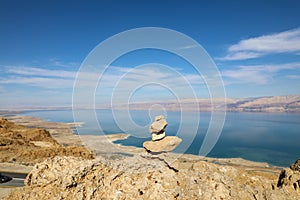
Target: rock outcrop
31, 145
147, 177
289, 178
296, 165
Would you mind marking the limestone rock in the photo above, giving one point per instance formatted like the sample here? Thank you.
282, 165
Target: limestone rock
169, 143
156, 137
157, 128
28, 145
296, 165
141, 177
289, 180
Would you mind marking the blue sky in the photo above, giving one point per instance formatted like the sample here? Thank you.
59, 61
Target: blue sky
255, 45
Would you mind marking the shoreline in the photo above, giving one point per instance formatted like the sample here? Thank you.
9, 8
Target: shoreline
104, 147
64, 134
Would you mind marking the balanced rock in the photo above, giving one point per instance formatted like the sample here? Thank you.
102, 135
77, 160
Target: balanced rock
157, 128
168, 143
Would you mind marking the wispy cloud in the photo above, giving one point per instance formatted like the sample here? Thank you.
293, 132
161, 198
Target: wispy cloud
115, 76
33, 71
258, 74
282, 42
148, 82
38, 77
252, 75
49, 83
128, 77
188, 47
58, 63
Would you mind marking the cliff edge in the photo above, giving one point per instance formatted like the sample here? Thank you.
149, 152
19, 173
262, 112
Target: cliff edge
146, 176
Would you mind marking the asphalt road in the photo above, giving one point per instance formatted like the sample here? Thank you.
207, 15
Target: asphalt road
17, 179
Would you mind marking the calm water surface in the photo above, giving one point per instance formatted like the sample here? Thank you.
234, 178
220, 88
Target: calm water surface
265, 137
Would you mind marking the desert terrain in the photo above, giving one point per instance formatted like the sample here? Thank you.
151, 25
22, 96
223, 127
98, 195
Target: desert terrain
60, 166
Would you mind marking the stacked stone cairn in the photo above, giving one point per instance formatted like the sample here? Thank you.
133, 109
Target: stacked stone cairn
157, 128
160, 142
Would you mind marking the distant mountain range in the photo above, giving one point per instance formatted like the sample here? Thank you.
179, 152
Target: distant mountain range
289, 103
258, 104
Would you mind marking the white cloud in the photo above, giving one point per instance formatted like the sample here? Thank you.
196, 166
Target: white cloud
282, 42
52, 83
240, 56
188, 47
257, 74
247, 75
128, 77
37, 77
33, 71
57, 63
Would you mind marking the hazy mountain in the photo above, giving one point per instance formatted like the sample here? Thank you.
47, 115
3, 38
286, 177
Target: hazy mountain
257, 104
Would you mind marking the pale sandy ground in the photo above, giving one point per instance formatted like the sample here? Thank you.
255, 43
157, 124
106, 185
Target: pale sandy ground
103, 145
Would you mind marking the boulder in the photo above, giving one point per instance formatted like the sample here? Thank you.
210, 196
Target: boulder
169, 143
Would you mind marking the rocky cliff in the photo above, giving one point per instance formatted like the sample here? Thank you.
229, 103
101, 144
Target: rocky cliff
146, 176
25, 145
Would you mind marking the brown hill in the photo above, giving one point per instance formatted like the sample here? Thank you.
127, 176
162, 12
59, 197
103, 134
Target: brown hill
31, 145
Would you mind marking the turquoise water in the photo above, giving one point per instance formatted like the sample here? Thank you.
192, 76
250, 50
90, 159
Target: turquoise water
265, 137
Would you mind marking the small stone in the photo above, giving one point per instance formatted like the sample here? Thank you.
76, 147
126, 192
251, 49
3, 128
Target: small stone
158, 125
156, 137
166, 144
157, 128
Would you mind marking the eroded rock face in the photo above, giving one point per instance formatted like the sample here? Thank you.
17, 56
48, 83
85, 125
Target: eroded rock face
296, 165
157, 128
22, 144
169, 143
289, 178
146, 177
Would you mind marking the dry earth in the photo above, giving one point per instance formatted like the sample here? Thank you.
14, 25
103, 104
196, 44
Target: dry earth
25, 145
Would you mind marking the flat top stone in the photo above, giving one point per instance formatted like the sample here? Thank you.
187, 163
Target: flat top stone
168, 143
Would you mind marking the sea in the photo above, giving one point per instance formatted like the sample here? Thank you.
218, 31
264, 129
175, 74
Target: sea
265, 137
